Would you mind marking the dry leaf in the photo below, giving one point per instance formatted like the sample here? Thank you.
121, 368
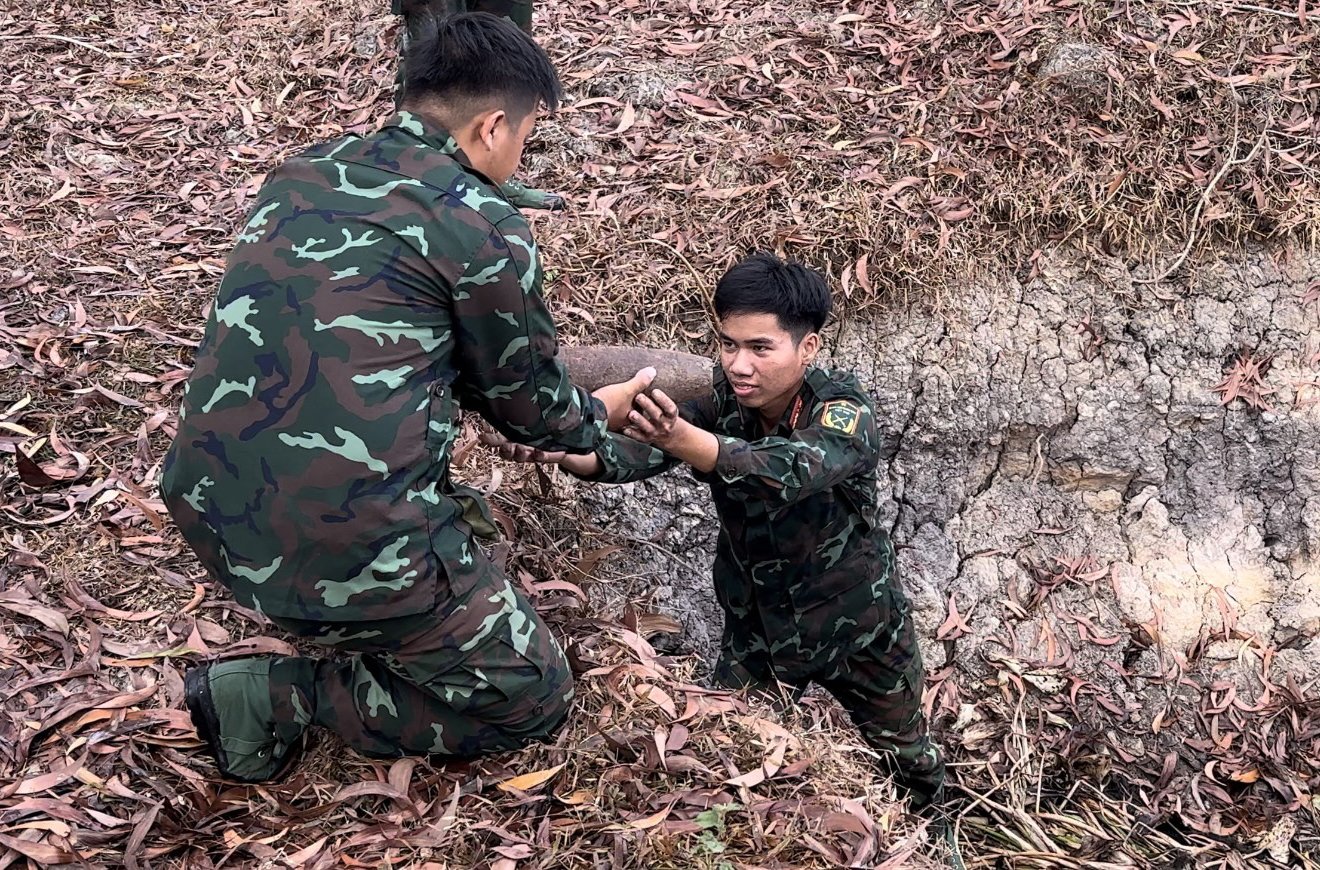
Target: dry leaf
577, 798
529, 781
304, 856
657, 696
47, 616
626, 120
643, 824
43, 854
953, 626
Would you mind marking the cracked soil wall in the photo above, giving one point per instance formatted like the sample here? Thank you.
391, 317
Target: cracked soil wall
1060, 468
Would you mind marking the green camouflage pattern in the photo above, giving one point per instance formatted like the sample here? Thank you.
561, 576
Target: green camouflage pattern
879, 685
425, 684
483, 674
804, 572
379, 284
801, 555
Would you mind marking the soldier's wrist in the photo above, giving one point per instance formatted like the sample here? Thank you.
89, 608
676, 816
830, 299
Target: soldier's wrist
694, 445
582, 465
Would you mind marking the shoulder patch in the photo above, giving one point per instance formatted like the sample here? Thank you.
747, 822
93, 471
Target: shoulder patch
841, 416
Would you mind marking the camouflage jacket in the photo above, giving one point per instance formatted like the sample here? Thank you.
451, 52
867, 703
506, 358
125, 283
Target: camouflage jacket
801, 554
379, 282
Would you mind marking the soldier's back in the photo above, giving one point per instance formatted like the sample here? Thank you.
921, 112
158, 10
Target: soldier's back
314, 434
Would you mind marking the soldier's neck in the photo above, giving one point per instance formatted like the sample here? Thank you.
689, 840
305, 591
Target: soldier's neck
434, 110
771, 415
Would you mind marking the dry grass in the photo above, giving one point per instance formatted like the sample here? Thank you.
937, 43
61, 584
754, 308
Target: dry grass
901, 147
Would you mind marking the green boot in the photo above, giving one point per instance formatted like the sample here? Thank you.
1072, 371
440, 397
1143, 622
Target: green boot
231, 708
523, 196
944, 833
942, 827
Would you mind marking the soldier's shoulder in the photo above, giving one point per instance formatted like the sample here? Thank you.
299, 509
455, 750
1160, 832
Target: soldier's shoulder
509, 221
348, 148
837, 385
477, 203
425, 172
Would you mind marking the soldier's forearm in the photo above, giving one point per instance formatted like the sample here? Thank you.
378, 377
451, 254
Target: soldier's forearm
587, 465
693, 445
620, 459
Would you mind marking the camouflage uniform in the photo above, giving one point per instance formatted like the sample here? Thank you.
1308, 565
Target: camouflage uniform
379, 282
803, 570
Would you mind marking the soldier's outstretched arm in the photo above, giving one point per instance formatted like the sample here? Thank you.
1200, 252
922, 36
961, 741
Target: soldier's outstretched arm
627, 457
841, 441
507, 347
619, 459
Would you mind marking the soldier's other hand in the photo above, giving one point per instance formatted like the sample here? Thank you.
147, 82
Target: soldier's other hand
654, 419
520, 452
554, 202
618, 398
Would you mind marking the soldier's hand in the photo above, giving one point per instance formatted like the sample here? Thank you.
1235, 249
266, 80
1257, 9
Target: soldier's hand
520, 452
654, 419
552, 202
618, 398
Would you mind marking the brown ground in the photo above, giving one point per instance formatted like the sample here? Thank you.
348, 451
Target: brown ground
895, 146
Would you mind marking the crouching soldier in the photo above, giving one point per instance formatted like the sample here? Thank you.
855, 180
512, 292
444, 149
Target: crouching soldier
804, 572
379, 284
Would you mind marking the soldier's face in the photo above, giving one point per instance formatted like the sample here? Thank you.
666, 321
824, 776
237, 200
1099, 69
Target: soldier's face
501, 140
762, 362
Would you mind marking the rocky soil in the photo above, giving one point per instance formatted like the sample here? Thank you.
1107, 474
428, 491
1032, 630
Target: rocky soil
1063, 476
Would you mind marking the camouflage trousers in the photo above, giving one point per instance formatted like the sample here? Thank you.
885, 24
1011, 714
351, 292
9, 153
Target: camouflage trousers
879, 686
481, 674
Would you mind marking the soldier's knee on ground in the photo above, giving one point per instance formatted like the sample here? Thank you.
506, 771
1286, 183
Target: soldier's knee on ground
544, 710
556, 690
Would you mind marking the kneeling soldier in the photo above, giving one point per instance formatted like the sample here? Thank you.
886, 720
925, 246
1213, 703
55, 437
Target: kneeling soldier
379, 283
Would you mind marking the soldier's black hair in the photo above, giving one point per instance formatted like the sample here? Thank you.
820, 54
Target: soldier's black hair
761, 283
474, 59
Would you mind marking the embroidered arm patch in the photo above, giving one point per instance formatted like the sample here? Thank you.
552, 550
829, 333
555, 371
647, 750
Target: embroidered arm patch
841, 416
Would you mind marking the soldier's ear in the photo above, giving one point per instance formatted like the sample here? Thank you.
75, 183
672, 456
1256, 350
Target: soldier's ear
808, 347
488, 126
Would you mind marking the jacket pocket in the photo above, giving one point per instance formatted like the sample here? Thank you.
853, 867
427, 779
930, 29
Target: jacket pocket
441, 426
452, 550
843, 607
